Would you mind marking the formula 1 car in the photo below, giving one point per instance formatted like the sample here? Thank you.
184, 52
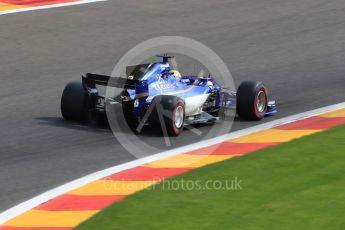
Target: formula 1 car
156, 95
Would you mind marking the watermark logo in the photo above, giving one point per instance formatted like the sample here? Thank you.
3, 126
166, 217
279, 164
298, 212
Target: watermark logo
233, 184
161, 184
187, 52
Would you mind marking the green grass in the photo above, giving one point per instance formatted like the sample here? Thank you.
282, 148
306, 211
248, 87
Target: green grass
297, 185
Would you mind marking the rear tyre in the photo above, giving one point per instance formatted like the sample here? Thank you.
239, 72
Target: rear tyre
74, 103
171, 111
128, 113
252, 100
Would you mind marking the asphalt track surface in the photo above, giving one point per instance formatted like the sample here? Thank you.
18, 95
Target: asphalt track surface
296, 47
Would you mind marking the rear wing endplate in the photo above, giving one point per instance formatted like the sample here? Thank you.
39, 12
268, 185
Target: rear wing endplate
92, 79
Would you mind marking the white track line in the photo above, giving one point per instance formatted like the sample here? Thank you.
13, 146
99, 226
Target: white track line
48, 6
34, 202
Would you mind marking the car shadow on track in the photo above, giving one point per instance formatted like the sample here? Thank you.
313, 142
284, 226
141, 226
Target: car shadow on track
98, 126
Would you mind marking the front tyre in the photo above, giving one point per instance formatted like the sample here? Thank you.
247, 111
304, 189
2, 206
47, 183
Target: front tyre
74, 103
252, 100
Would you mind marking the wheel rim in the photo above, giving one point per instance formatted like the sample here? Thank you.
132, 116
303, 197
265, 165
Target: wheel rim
178, 117
261, 101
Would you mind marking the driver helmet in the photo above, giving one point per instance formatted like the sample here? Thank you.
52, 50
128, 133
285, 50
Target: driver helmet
176, 74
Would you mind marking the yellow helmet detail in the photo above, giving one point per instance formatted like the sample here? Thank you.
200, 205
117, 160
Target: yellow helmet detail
176, 73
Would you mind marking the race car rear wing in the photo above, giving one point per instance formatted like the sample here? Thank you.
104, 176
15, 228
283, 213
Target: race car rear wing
91, 80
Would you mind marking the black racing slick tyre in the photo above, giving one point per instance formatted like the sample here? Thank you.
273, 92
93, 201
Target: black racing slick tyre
168, 114
252, 100
74, 103
128, 113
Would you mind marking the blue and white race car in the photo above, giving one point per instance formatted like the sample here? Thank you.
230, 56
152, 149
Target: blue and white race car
156, 95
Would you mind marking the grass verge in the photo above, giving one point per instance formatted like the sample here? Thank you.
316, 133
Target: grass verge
300, 184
